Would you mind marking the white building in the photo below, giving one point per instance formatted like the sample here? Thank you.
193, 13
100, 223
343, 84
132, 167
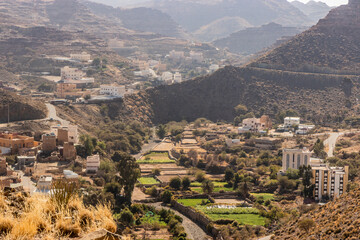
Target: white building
294, 158
167, 77
83, 57
177, 77
113, 90
92, 164
68, 73
196, 56
44, 183
289, 122
213, 68
304, 129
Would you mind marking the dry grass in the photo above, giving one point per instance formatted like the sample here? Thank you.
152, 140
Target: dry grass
40, 217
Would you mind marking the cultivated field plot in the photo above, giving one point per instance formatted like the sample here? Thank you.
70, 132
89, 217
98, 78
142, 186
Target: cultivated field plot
155, 158
167, 178
218, 186
245, 216
148, 181
264, 196
165, 168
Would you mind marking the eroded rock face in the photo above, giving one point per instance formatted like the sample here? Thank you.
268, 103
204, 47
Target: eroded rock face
21, 108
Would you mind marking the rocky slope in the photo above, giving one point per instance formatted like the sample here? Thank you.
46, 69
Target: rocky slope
336, 220
253, 40
331, 46
139, 19
21, 108
322, 97
313, 10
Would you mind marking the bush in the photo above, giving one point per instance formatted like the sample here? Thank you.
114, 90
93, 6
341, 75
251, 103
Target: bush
186, 183
200, 176
156, 172
306, 224
126, 217
175, 183
166, 196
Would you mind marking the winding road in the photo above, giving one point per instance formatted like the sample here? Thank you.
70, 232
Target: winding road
331, 142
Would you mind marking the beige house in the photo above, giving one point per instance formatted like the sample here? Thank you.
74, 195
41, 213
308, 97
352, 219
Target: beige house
83, 57
294, 158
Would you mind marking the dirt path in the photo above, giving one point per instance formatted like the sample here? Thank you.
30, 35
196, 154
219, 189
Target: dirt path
193, 231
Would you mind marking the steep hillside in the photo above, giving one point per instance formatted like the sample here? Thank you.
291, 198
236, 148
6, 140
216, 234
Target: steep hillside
336, 220
313, 10
221, 27
321, 97
21, 108
193, 14
139, 19
331, 46
253, 40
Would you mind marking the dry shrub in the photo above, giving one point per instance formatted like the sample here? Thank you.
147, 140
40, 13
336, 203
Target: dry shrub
104, 217
75, 204
66, 227
3, 204
86, 217
6, 224
25, 228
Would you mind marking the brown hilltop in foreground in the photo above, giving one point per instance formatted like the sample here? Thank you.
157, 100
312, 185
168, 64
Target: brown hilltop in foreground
337, 219
21, 108
331, 46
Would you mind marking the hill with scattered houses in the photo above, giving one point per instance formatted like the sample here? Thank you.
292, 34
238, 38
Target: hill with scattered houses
319, 96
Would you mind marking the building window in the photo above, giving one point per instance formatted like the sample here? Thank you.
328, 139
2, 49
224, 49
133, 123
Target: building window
287, 161
306, 160
298, 160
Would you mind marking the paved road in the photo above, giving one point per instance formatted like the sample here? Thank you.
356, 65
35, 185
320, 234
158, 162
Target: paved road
29, 186
53, 115
193, 231
331, 142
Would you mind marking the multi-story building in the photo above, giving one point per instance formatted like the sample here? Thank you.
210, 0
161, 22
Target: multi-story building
196, 56
66, 134
256, 124
294, 158
49, 142
289, 122
92, 164
68, 73
113, 90
44, 183
83, 57
11, 143
330, 182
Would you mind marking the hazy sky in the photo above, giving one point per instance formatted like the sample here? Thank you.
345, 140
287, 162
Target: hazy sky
328, 2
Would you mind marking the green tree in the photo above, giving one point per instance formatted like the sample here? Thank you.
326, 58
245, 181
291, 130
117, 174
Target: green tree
175, 183
166, 196
126, 217
88, 144
161, 131
306, 173
229, 175
208, 186
129, 172
306, 224
319, 149
240, 109
244, 190
186, 183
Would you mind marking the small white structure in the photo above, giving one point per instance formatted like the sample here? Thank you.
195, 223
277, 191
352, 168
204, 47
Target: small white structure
92, 164
83, 57
289, 122
304, 129
242, 130
44, 183
232, 142
68, 73
213, 68
70, 175
167, 77
113, 90
177, 77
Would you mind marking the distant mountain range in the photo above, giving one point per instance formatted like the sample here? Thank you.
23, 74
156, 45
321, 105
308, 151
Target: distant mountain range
313, 10
318, 76
256, 39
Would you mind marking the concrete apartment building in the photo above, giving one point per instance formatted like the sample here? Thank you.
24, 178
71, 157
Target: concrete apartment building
294, 158
177, 77
12, 143
44, 183
113, 90
83, 57
329, 181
